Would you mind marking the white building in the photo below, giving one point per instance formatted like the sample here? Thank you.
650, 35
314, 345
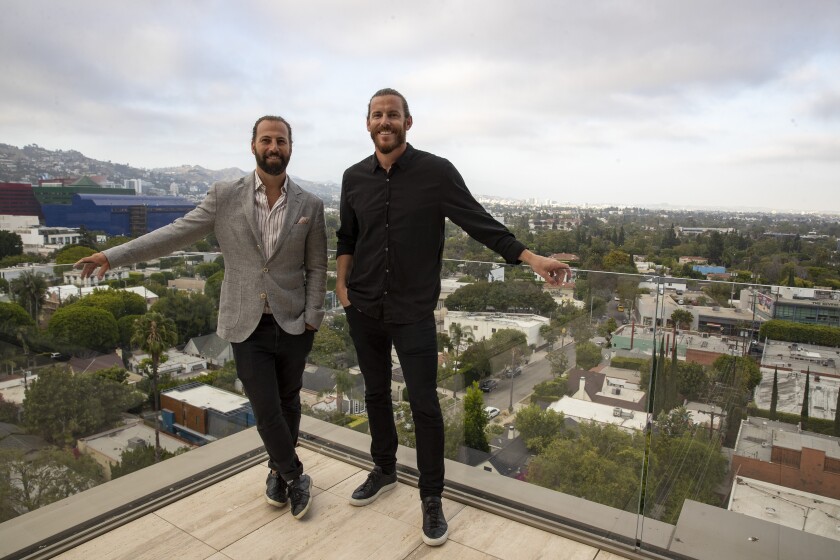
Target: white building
10, 222
784, 506
484, 325
107, 447
586, 411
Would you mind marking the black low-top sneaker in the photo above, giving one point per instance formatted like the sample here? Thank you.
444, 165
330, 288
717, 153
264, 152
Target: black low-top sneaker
275, 490
377, 482
299, 495
435, 529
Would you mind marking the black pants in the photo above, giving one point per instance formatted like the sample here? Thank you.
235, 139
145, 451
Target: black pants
270, 365
416, 346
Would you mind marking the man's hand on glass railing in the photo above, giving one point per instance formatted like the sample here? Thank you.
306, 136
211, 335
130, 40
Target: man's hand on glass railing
91, 263
553, 271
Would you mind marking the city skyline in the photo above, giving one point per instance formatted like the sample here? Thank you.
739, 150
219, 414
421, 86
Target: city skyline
699, 104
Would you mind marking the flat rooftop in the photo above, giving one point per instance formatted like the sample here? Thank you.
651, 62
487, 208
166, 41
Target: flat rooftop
804, 511
205, 396
113, 442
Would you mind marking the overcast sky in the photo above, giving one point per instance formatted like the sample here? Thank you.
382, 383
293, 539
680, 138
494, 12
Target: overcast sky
706, 103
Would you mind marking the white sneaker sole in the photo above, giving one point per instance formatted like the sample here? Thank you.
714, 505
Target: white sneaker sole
275, 503
366, 501
438, 541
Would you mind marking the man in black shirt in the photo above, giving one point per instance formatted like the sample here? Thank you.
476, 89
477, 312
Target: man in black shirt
390, 246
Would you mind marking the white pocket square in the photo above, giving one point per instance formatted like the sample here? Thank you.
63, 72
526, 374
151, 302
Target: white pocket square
303, 220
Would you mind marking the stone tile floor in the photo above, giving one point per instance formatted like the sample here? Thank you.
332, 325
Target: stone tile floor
232, 521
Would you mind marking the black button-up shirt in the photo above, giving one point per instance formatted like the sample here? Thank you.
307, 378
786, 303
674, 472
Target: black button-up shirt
393, 225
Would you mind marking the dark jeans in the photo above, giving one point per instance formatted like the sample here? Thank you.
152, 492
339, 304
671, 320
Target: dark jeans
270, 365
416, 346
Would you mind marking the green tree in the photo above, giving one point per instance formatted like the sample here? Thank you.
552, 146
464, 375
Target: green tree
675, 422
539, 428
28, 290
602, 465
213, 286
475, 360
10, 244
62, 407
9, 411
675, 475
115, 374
559, 362
12, 318
550, 334
54, 474
502, 296
136, 459
115, 241
125, 328
587, 355
85, 328
475, 419
692, 380
682, 318
328, 349
118, 303
206, 270
193, 314
69, 254
154, 334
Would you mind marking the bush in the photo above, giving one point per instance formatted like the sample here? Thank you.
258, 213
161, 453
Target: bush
636, 364
789, 331
816, 425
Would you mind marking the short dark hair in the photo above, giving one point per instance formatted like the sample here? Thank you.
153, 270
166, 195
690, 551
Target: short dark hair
270, 118
390, 91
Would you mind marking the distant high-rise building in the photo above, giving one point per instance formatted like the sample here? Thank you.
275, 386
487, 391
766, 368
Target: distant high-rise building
134, 184
117, 214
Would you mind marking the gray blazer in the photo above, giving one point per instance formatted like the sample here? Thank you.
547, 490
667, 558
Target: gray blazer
292, 279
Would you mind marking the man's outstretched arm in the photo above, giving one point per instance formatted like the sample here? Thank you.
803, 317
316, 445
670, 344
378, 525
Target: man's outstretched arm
553, 271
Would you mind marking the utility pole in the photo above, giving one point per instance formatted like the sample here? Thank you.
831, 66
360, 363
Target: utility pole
512, 377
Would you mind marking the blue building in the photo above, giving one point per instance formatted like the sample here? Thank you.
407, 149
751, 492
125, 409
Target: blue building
117, 214
708, 269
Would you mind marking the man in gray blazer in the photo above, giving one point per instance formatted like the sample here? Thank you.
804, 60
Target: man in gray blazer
273, 238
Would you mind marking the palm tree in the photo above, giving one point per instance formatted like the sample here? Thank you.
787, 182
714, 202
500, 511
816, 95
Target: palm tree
343, 384
154, 333
458, 335
29, 290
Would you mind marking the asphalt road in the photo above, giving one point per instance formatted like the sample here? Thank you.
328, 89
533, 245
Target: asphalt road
537, 371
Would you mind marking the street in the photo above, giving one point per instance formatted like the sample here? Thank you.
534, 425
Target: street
536, 371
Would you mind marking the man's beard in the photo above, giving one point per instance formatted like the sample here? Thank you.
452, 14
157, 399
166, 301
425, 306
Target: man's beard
274, 168
398, 140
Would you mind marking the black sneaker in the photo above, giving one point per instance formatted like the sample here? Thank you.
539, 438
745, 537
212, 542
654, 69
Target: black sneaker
377, 482
435, 529
299, 490
275, 490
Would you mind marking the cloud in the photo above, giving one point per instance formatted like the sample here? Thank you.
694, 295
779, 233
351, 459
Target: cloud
541, 84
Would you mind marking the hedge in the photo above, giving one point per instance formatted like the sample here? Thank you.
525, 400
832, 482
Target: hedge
816, 425
789, 331
635, 364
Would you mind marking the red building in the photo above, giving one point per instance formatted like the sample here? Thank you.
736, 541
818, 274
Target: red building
18, 199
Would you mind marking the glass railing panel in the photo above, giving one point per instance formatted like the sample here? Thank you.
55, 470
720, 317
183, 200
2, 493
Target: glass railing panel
84, 397
637, 393
744, 385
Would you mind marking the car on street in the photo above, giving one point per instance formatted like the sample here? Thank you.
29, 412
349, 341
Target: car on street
515, 372
488, 385
491, 411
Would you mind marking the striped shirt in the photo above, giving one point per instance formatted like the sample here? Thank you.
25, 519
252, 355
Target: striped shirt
269, 220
